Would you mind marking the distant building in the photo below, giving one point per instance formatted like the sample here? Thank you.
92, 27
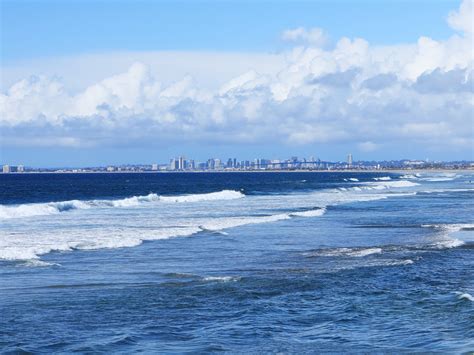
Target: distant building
349, 160
154, 167
6, 169
21, 168
181, 163
110, 169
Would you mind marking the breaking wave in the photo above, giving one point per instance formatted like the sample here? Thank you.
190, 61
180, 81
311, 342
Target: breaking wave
383, 178
445, 238
310, 213
49, 208
410, 176
309, 205
465, 296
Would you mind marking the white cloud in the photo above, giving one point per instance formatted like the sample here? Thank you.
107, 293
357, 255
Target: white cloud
463, 19
313, 36
353, 93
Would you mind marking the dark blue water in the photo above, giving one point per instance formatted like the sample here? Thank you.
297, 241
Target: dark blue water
268, 262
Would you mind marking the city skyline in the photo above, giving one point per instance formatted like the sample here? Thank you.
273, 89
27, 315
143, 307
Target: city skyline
185, 164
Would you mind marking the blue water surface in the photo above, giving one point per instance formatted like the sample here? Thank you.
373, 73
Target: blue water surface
274, 262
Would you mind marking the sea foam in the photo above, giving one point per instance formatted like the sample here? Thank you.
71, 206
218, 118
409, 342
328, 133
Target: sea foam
51, 208
465, 296
445, 238
351, 252
166, 217
310, 213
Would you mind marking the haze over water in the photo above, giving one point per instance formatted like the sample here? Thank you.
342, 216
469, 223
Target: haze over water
245, 262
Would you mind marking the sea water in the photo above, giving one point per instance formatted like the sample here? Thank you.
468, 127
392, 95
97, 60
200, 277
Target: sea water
237, 262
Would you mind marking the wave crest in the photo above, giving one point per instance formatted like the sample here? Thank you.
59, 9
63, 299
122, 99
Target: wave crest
51, 208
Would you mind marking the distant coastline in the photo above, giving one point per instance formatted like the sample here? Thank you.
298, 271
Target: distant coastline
401, 171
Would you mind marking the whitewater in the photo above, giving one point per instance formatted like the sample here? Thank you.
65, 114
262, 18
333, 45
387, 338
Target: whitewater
127, 222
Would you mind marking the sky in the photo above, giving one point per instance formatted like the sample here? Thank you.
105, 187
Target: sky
109, 82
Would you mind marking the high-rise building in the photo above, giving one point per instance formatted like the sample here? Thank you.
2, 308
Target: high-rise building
173, 164
181, 163
6, 169
349, 159
211, 164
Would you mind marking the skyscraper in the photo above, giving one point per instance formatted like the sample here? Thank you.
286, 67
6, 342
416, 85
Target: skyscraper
181, 163
349, 159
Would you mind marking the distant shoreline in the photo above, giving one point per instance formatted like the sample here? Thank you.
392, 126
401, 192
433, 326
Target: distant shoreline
396, 171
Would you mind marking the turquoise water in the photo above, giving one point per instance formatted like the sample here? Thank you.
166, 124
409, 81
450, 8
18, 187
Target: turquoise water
237, 262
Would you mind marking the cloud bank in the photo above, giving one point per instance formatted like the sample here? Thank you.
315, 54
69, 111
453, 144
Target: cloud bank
350, 91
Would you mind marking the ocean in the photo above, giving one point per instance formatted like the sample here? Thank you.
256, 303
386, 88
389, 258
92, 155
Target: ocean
237, 262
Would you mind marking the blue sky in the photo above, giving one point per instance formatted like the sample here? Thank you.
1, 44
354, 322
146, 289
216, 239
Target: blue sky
52, 28
99, 82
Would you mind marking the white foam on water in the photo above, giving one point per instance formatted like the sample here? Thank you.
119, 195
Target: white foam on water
38, 209
454, 227
439, 179
431, 191
351, 252
52, 208
221, 278
445, 231
400, 262
408, 176
448, 244
465, 296
383, 178
310, 213
29, 247
353, 179
212, 196
126, 202
37, 263
107, 225
381, 185
397, 184
232, 222
365, 252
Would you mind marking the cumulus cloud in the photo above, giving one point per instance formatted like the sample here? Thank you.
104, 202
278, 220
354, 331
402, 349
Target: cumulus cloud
463, 19
352, 93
